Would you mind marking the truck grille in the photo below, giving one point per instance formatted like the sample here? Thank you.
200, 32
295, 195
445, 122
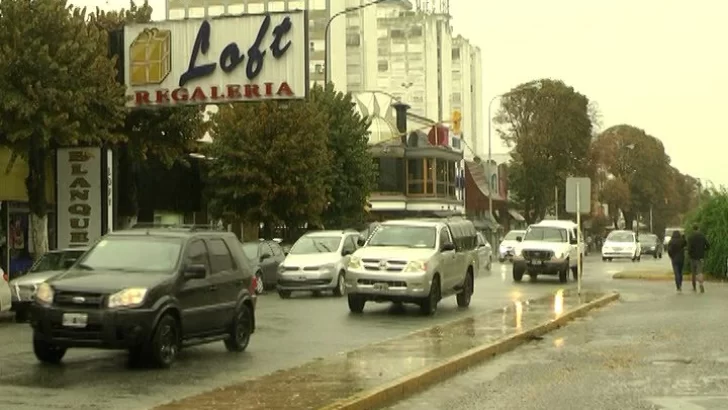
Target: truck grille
383, 265
78, 299
536, 254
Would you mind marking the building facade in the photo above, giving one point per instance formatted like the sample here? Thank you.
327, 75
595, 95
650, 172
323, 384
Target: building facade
467, 95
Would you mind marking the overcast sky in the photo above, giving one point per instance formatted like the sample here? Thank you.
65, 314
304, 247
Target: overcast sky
660, 65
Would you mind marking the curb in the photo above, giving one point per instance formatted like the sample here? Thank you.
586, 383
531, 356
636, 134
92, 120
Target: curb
658, 277
411, 384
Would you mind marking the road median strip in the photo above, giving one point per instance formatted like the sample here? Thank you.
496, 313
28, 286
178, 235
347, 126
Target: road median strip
376, 375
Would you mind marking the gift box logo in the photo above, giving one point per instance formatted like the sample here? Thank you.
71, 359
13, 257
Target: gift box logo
150, 57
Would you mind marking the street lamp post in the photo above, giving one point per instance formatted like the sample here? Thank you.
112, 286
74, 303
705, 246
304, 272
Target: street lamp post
328, 29
490, 146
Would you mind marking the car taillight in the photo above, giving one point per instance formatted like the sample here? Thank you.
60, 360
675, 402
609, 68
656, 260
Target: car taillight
6, 278
253, 285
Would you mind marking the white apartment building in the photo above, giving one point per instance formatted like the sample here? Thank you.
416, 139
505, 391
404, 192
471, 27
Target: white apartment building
467, 95
352, 57
414, 57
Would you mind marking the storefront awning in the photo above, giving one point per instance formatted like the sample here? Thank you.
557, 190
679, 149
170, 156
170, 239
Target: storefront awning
516, 216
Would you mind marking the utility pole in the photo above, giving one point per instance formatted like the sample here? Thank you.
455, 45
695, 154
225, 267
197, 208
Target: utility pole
556, 202
651, 230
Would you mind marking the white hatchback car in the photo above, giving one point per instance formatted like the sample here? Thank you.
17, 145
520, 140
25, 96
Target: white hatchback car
621, 245
317, 262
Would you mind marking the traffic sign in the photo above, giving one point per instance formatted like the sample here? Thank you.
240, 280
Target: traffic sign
578, 195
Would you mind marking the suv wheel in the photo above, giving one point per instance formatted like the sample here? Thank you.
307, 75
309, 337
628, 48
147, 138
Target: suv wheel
47, 352
284, 294
259, 286
340, 288
356, 303
165, 342
518, 272
429, 305
241, 330
464, 297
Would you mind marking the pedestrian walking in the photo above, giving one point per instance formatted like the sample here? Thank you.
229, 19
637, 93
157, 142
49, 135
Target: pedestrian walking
676, 252
697, 247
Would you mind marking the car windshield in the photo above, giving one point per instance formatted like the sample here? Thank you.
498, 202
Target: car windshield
404, 235
250, 250
315, 244
620, 237
545, 234
648, 238
512, 235
54, 261
133, 254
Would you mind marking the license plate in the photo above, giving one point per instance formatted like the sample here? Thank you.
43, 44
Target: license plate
381, 286
617, 249
536, 262
79, 320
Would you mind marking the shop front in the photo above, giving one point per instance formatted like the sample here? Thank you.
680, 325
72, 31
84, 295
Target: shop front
16, 241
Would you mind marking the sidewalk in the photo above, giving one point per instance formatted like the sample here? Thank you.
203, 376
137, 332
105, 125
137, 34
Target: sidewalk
659, 275
652, 349
323, 382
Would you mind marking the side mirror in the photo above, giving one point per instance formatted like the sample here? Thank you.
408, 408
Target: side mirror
264, 257
447, 246
361, 241
196, 271
573, 241
346, 252
519, 239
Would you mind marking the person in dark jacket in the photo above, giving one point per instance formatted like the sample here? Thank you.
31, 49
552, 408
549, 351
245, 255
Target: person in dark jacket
676, 252
697, 247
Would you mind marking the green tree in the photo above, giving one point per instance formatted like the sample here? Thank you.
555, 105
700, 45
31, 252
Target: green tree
549, 126
631, 155
163, 134
269, 162
615, 193
352, 174
58, 89
710, 218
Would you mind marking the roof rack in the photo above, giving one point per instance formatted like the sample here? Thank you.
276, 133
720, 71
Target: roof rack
181, 227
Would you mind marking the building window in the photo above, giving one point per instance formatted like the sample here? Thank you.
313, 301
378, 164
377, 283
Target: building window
455, 54
416, 31
353, 39
457, 98
390, 173
383, 66
396, 33
431, 177
296, 5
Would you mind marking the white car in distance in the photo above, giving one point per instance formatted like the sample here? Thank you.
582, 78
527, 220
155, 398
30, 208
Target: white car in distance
621, 245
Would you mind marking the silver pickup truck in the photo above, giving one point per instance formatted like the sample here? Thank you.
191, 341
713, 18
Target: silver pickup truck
414, 261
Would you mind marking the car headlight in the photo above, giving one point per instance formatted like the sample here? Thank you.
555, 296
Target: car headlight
328, 267
517, 252
127, 298
415, 266
44, 294
281, 268
354, 262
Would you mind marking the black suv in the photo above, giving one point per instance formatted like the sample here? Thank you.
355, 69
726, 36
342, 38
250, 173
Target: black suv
151, 290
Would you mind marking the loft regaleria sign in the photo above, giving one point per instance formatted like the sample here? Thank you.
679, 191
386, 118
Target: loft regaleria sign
226, 59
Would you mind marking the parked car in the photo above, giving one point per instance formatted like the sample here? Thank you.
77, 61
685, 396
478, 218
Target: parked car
5, 295
548, 248
650, 245
264, 257
621, 245
507, 247
317, 262
151, 291
50, 264
416, 261
484, 252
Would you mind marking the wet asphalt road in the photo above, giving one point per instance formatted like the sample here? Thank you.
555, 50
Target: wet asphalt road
654, 349
290, 332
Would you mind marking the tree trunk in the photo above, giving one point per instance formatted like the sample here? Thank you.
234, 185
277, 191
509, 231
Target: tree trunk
35, 184
250, 231
128, 206
628, 220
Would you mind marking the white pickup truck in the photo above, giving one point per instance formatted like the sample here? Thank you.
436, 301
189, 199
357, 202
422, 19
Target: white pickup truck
548, 248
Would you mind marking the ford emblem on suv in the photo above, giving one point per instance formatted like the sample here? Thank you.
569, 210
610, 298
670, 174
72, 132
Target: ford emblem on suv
79, 299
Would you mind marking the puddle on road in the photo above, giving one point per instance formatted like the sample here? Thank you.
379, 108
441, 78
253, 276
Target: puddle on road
322, 382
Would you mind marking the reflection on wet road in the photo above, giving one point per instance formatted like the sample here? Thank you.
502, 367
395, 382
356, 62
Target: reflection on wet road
290, 332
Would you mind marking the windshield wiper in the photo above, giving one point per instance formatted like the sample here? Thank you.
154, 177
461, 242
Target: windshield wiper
84, 266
